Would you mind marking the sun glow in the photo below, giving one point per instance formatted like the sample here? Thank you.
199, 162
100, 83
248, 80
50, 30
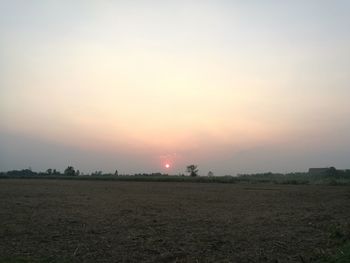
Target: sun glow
167, 166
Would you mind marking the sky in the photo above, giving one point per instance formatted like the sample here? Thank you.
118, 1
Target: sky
231, 86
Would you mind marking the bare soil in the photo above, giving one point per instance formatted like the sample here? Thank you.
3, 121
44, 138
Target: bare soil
97, 221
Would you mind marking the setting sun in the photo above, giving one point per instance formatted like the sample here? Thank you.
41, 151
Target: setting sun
167, 166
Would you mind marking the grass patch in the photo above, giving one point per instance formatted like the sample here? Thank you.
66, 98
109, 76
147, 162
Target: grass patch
343, 255
341, 235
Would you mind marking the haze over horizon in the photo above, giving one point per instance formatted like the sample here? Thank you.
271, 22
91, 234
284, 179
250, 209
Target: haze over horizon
232, 86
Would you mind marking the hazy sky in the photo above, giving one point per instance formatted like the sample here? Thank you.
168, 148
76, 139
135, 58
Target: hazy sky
233, 86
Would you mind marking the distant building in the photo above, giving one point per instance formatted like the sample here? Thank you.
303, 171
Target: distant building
321, 171
318, 170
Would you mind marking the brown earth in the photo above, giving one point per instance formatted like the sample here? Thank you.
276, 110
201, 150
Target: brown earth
100, 221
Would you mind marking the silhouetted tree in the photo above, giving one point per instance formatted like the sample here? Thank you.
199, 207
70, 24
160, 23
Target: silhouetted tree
116, 173
210, 174
49, 171
192, 170
77, 173
69, 171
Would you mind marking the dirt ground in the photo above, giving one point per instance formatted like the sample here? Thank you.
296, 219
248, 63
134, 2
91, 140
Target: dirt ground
99, 221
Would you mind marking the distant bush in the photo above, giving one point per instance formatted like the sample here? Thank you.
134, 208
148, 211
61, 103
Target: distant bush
25, 172
341, 177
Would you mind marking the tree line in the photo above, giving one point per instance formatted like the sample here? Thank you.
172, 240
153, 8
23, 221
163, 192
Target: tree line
192, 170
